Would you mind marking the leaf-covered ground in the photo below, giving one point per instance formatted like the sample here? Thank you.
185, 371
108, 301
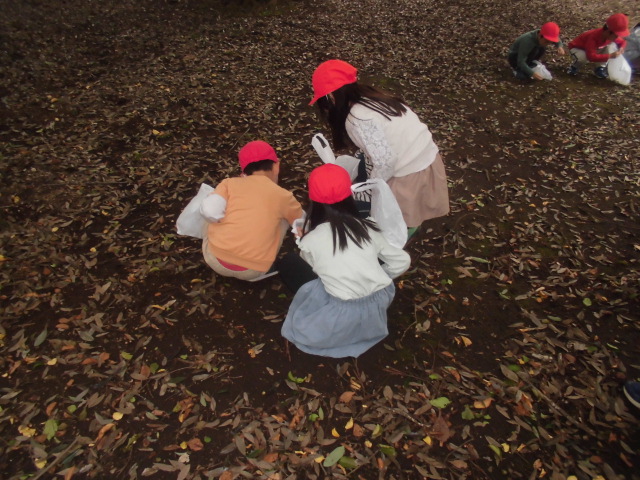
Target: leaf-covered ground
123, 357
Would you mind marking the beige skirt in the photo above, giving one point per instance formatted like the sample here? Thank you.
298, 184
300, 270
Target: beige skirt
422, 195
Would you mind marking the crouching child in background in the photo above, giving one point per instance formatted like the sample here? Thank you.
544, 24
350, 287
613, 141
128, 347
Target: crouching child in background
526, 52
593, 45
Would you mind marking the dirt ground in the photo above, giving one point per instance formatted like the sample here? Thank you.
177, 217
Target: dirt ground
123, 357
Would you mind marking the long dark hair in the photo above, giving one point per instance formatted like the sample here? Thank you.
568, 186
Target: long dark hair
335, 113
345, 222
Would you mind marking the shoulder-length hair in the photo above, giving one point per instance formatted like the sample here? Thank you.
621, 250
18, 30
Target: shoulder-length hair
335, 113
345, 222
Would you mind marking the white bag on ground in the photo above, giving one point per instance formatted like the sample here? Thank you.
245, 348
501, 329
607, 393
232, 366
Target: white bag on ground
542, 70
385, 210
619, 70
191, 222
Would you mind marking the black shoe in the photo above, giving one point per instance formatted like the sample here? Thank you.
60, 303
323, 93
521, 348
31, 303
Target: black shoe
601, 72
572, 70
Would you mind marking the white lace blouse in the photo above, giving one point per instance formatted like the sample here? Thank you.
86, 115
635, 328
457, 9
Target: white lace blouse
393, 148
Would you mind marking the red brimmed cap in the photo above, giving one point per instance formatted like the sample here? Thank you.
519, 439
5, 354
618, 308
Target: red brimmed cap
550, 31
254, 152
619, 24
330, 76
329, 184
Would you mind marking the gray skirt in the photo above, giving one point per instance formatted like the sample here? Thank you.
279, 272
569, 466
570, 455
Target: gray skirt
321, 324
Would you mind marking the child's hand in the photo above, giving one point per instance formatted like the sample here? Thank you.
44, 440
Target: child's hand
296, 227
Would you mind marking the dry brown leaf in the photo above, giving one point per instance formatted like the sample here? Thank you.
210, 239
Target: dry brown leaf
195, 444
70, 472
226, 475
271, 457
346, 396
103, 431
440, 430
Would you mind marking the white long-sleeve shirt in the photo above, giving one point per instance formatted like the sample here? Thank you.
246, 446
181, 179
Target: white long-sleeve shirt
353, 272
396, 147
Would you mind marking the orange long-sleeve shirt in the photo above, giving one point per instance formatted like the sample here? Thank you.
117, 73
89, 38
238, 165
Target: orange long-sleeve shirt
249, 234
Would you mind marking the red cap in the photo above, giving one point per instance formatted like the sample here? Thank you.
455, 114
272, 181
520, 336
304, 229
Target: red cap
254, 152
619, 24
329, 184
551, 32
330, 76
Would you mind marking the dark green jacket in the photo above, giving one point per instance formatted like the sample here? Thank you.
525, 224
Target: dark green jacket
522, 47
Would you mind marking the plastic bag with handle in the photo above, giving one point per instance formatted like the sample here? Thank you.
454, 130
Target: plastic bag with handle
385, 210
323, 149
191, 222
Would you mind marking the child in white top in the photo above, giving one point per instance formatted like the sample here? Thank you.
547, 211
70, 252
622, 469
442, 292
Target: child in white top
398, 147
344, 311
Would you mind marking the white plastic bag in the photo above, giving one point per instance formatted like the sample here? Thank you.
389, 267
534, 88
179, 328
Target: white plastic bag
542, 70
385, 210
191, 222
323, 149
619, 70
350, 164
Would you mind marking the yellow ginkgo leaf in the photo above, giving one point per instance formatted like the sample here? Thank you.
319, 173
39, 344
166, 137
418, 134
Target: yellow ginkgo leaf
335, 433
482, 403
427, 440
183, 445
117, 415
52, 361
349, 424
26, 431
41, 462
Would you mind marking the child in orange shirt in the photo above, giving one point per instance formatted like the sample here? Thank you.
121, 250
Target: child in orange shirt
249, 216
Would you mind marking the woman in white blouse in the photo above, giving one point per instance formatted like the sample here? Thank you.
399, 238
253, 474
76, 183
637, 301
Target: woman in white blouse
398, 147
